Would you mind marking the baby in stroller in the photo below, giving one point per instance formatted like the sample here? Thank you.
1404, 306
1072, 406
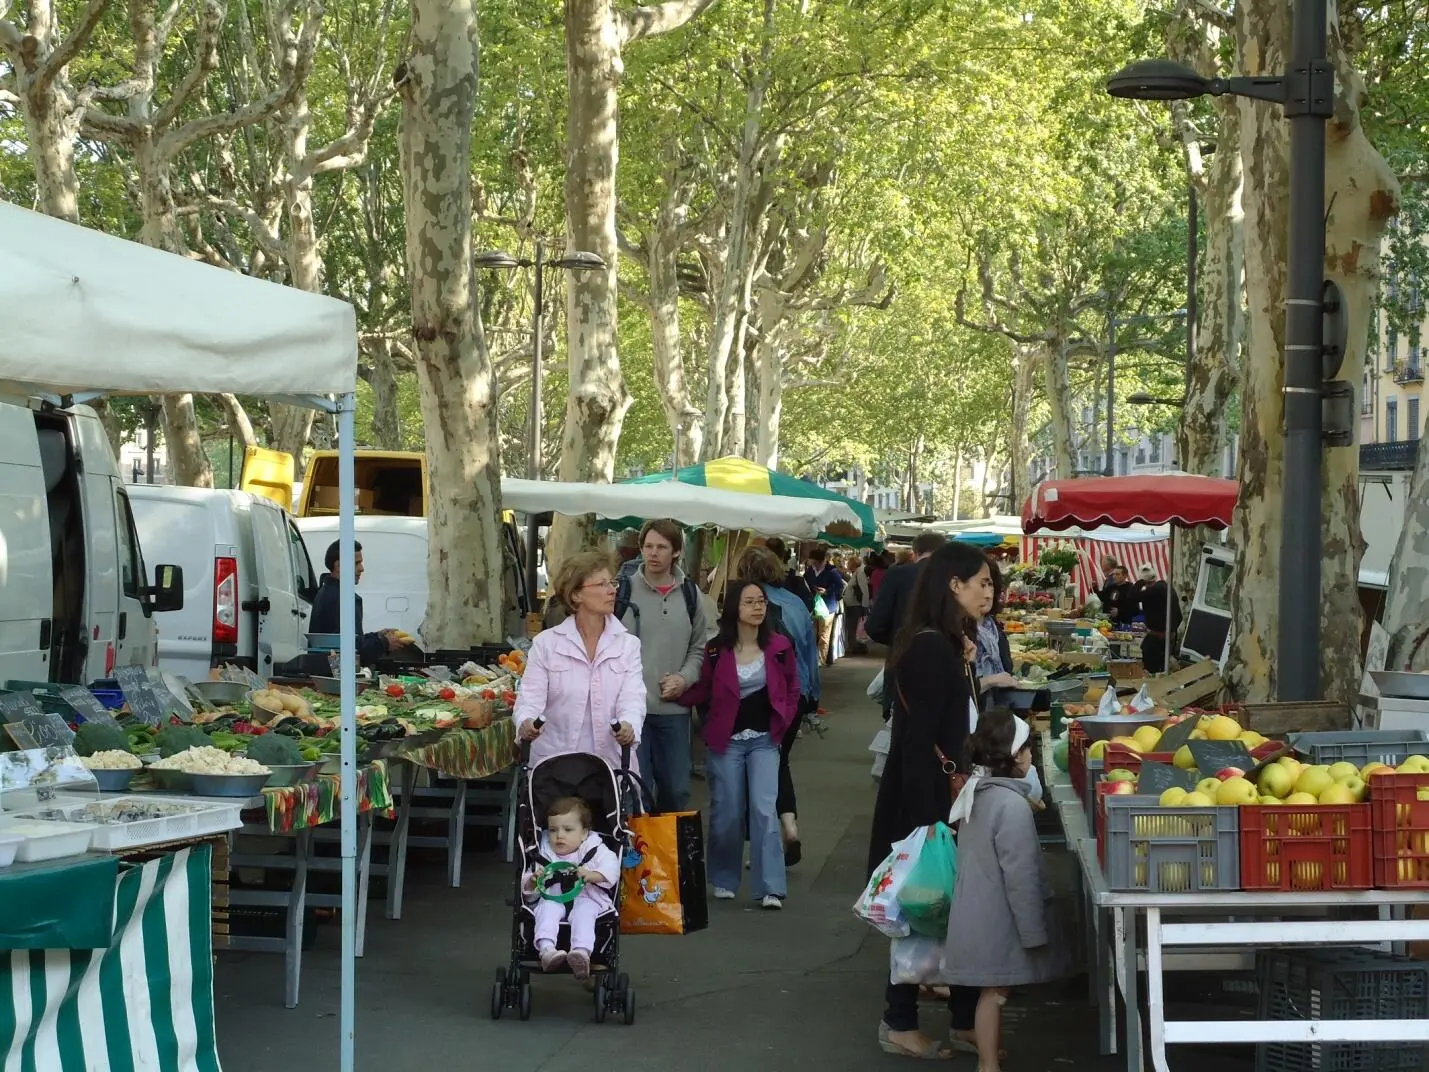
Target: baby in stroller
571, 877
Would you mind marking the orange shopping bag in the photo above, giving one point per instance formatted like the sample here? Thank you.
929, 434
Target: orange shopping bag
663, 875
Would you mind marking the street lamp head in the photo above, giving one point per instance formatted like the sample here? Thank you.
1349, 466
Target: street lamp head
578, 260
495, 258
1162, 80
1140, 398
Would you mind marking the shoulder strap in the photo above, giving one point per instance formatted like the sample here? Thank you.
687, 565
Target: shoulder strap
692, 597
623, 602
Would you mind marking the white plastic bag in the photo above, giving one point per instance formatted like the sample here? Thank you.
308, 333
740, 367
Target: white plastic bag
879, 747
1142, 701
916, 959
1108, 704
878, 904
875, 687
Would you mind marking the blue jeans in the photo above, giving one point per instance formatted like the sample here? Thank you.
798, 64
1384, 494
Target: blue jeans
665, 762
746, 777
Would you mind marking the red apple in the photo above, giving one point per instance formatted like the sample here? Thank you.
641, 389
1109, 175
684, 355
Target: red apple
1122, 789
1230, 772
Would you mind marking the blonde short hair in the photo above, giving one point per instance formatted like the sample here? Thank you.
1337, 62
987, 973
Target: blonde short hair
761, 565
577, 570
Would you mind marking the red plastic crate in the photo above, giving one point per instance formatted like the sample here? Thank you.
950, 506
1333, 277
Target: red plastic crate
1290, 847
1103, 791
1399, 807
1119, 757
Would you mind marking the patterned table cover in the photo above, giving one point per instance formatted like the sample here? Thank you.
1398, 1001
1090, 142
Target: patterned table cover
297, 807
469, 754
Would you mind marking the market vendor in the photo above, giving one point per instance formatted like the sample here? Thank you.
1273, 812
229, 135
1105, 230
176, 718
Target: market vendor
1118, 598
1153, 606
326, 616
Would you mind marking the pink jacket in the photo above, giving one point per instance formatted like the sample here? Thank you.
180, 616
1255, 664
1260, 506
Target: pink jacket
580, 699
718, 687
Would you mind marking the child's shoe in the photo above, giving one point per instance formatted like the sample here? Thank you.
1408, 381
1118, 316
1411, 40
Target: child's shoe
551, 958
579, 960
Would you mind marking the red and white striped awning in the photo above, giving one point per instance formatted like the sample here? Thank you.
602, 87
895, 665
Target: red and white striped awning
1132, 550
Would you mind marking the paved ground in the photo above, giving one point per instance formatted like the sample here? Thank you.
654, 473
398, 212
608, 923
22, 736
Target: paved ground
785, 992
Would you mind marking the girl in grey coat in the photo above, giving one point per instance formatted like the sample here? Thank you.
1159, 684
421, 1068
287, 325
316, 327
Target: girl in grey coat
1000, 933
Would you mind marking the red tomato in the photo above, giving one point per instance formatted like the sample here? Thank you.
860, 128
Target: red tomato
396, 690
447, 694
488, 694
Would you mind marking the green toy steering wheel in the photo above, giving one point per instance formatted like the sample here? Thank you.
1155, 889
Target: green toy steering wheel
553, 871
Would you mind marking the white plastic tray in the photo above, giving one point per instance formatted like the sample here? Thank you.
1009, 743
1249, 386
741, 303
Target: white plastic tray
47, 840
198, 817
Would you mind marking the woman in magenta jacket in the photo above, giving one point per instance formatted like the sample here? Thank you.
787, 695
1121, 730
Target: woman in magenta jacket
748, 695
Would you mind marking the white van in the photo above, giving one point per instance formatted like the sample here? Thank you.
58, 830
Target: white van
75, 601
250, 584
394, 557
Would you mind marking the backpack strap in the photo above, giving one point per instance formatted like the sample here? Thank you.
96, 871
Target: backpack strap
692, 597
624, 603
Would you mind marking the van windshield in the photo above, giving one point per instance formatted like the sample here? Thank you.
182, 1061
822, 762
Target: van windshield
387, 484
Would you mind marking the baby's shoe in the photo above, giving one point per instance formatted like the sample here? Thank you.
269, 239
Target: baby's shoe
580, 964
551, 958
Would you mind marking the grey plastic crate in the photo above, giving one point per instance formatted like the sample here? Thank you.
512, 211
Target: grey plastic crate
1151, 849
1361, 746
1340, 984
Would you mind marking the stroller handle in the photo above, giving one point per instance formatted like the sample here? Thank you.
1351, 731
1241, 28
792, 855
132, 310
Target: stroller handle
624, 749
526, 745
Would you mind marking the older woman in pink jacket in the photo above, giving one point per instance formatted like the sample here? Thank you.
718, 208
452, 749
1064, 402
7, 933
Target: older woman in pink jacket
583, 689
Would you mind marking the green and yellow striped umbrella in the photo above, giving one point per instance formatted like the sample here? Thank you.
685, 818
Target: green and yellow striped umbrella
741, 474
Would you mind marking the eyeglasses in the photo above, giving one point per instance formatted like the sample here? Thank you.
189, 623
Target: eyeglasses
752, 603
601, 584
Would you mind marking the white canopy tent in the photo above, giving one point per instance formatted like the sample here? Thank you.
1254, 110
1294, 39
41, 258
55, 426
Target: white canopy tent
689, 504
83, 314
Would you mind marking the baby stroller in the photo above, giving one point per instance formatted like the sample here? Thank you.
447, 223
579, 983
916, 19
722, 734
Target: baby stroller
609, 794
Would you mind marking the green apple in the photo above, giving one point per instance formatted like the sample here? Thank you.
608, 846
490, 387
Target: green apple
1342, 770
1276, 781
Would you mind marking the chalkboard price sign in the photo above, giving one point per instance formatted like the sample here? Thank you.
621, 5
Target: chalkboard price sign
1177, 735
46, 729
1156, 778
18, 706
86, 706
1212, 757
143, 701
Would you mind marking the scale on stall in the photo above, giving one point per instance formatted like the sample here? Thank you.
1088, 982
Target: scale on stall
1402, 703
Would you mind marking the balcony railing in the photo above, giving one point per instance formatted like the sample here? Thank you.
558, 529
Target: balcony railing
1409, 372
1388, 456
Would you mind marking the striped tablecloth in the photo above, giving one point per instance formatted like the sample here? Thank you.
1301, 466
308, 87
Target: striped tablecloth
144, 1003
297, 807
470, 754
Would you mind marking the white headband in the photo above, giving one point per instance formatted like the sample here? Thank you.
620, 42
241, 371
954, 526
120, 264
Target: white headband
1021, 731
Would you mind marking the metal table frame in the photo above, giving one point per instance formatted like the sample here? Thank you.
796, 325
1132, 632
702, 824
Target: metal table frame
1212, 934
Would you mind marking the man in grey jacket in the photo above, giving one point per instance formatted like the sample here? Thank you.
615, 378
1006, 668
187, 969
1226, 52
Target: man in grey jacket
661, 606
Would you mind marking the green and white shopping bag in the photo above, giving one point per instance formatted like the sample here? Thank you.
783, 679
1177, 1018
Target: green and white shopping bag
144, 1004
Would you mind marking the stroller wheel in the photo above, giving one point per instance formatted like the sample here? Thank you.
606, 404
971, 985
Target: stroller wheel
600, 999
524, 1008
627, 1004
498, 1000
622, 983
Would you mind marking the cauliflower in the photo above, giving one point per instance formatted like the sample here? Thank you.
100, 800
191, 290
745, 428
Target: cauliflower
111, 759
209, 760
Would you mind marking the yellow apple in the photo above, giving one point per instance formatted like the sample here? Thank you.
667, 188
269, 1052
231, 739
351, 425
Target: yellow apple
1337, 793
1173, 797
1414, 765
1369, 770
1097, 750
1356, 786
1197, 800
1119, 775
1251, 739
1271, 800
1147, 737
1183, 758
1342, 770
1276, 781
1128, 742
1235, 791
1314, 781
1222, 728
1209, 786
1301, 798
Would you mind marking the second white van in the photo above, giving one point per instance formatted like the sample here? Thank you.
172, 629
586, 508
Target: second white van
250, 584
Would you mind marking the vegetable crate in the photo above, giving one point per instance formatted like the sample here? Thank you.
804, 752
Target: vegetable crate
1151, 849
1360, 747
1399, 811
1340, 984
1303, 848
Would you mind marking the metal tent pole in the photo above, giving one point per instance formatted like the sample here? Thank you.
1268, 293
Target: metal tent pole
347, 648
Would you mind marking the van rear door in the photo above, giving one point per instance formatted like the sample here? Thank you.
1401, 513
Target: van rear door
26, 579
135, 642
270, 474
278, 606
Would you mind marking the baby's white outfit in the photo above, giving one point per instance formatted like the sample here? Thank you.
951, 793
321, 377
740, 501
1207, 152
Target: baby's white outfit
589, 903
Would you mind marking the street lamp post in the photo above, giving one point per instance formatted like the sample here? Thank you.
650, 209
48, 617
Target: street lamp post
1306, 93
1113, 322
574, 261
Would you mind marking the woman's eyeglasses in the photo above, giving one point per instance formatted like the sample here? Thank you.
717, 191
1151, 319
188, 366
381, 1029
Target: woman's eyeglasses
601, 584
752, 604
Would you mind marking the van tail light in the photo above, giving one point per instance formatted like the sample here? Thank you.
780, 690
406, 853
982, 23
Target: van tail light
109, 658
225, 601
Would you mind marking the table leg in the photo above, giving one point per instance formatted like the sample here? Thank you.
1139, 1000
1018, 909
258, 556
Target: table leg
397, 854
1105, 977
512, 804
297, 910
1127, 946
364, 876
456, 834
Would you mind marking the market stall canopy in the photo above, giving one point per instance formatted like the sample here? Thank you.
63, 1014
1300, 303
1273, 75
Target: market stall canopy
689, 504
742, 475
1174, 498
81, 310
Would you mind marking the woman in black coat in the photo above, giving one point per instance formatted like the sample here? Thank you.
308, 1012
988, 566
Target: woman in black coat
934, 703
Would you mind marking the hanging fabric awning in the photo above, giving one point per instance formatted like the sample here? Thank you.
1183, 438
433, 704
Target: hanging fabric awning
1159, 499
